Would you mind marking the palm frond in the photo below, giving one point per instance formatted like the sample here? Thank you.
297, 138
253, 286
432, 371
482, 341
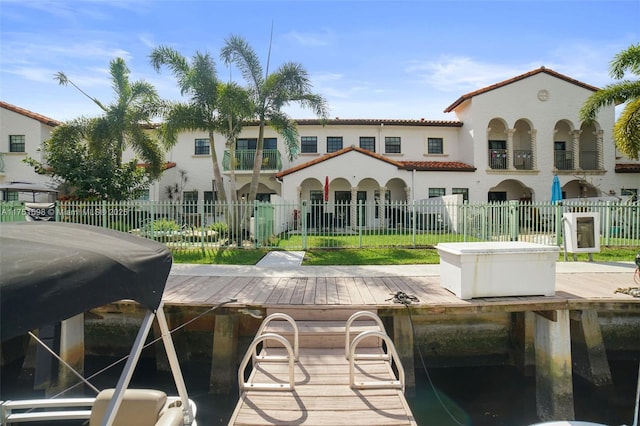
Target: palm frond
612, 94
178, 65
627, 60
288, 129
238, 52
63, 80
626, 131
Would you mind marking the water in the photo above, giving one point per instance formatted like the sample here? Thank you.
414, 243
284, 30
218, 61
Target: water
479, 396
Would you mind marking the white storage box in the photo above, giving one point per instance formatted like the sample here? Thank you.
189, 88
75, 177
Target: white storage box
498, 269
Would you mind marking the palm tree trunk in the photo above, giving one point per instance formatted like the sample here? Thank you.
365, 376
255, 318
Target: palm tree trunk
257, 163
217, 175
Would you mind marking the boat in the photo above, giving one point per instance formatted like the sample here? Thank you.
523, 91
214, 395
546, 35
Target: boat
52, 271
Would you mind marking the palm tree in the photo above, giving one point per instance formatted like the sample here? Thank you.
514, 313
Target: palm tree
125, 121
199, 81
234, 109
626, 131
270, 92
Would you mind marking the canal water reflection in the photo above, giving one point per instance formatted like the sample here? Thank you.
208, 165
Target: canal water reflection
479, 396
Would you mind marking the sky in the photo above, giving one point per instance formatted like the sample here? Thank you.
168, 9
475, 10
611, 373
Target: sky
368, 59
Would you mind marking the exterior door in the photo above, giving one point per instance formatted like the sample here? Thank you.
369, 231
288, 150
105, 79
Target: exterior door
362, 203
342, 208
495, 197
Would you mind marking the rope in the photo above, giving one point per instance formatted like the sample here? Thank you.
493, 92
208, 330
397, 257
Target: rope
124, 358
632, 291
407, 300
403, 298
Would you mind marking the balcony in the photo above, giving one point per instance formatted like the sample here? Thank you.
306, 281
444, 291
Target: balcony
498, 159
589, 160
563, 160
243, 160
523, 159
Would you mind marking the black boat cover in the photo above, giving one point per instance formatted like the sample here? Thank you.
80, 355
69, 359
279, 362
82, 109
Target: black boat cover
51, 271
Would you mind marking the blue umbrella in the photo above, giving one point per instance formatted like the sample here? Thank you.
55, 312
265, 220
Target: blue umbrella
556, 191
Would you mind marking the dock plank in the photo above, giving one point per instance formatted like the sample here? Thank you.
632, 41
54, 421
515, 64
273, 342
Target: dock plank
322, 395
266, 287
579, 290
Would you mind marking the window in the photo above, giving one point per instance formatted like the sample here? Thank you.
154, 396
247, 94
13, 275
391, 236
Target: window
210, 196
463, 191
562, 159
436, 192
252, 143
16, 143
316, 196
190, 200
309, 144
144, 196
630, 192
435, 146
368, 143
202, 147
392, 145
209, 200
334, 143
9, 195
498, 154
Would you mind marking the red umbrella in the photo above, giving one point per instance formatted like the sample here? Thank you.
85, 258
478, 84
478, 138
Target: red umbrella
326, 188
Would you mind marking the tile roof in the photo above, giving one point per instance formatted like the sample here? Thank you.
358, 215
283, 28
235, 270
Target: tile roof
165, 166
628, 168
39, 117
377, 122
470, 95
444, 166
437, 166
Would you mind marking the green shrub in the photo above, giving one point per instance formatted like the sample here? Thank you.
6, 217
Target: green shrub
164, 225
219, 227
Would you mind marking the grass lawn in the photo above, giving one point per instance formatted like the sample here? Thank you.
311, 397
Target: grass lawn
386, 256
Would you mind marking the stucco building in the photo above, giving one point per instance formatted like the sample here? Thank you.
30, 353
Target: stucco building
505, 142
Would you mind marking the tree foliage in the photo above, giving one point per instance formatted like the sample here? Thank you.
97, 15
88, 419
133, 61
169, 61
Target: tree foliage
626, 131
125, 122
270, 92
85, 171
85, 154
211, 107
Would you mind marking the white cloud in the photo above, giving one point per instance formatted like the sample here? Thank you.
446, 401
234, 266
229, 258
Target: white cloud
461, 74
322, 38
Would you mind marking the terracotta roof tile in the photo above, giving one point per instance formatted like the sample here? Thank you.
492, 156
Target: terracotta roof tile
377, 121
438, 166
442, 166
628, 168
39, 117
470, 95
165, 166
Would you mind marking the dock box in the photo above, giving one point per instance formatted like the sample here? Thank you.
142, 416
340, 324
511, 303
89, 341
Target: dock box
498, 269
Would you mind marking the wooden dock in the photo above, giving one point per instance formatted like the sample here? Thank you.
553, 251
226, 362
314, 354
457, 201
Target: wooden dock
325, 389
285, 289
544, 329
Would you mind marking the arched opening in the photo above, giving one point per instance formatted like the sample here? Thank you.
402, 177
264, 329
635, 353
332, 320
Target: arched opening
563, 146
589, 149
497, 144
579, 188
522, 146
509, 190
